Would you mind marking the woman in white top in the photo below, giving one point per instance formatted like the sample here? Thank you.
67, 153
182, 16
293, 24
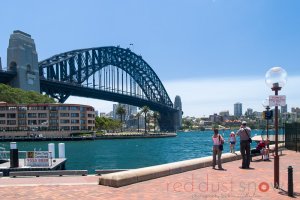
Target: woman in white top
217, 141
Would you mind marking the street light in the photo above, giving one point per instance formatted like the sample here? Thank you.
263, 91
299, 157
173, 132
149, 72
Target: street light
276, 79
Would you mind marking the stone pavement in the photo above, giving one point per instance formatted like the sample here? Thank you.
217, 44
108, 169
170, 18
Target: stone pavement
205, 183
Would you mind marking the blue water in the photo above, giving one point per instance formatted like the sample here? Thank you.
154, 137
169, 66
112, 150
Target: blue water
133, 153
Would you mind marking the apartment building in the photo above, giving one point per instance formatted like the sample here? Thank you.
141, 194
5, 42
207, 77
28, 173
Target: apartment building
46, 117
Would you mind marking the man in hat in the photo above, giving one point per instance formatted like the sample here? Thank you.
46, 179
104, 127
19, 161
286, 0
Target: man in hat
245, 133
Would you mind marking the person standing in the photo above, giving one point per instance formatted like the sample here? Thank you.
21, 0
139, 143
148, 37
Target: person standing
232, 141
245, 133
217, 150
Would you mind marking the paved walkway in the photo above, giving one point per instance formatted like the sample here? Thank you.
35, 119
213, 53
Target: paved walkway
205, 183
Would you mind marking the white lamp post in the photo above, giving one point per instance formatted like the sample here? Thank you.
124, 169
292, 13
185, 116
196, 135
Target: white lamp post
276, 79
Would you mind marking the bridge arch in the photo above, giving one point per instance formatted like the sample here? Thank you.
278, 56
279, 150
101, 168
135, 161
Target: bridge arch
78, 66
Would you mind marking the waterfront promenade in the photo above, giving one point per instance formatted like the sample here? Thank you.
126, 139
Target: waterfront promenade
205, 183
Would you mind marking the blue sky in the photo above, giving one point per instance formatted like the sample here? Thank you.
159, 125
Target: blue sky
206, 51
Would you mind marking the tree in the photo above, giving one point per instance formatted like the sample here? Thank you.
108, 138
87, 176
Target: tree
18, 96
145, 110
104, 123
138, 120
156, 116
121, 111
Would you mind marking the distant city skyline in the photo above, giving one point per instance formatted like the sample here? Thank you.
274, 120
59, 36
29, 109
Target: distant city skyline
212, 53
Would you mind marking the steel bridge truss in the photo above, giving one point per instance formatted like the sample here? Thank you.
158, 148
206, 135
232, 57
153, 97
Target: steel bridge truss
107, 69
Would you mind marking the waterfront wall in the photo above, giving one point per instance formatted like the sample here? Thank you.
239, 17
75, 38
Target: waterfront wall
120, 179
48, 134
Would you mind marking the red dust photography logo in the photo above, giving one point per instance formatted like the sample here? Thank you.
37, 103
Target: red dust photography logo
263, 187
206, 185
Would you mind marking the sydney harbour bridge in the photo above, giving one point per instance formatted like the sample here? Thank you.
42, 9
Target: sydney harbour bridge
106, 73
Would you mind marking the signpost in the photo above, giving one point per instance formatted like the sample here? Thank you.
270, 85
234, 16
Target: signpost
277, 100
37, 158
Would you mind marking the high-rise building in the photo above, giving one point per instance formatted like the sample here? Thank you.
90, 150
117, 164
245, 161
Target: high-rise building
284, 109
249, 111
178, 106
114, 111
238, 109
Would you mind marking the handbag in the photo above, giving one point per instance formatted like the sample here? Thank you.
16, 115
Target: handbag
249, 140
221, 145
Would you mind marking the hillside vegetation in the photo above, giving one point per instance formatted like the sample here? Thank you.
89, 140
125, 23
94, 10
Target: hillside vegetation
18, 96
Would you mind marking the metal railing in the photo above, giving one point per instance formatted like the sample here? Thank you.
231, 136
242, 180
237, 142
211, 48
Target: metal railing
292, 136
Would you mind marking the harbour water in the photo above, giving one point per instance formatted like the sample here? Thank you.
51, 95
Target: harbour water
133, 153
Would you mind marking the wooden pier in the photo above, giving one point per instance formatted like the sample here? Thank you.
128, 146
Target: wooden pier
54, 164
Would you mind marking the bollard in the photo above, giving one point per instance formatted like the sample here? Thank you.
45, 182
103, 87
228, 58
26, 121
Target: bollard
51, 147
61, 150
14, 155
290, 182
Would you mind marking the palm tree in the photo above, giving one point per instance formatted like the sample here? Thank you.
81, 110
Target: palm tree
145, 110
155, 117
121, 111
138, 120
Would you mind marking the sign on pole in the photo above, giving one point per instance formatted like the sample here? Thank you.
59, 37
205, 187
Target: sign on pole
277, 100
37, 158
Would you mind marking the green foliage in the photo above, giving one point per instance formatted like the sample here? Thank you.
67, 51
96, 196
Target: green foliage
121, 111
18, 96
145, 110
103, 123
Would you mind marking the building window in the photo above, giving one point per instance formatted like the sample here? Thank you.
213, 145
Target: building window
43, 122
11, 122
22, 122
64, 121
53, 121
75, 127
53, 128
74, 108
21, 115
22, 108
31, 115
2, 115
33, 108
11, 115
53, 108
64, 128
74, 121
42, 115
74, 114
64, 114
82, 121
2, 122
32, 122
53, 115
63, 108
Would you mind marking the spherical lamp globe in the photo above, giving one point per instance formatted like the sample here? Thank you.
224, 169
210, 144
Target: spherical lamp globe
276, 77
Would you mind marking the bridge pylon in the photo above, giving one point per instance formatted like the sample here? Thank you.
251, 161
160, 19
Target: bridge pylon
22, 58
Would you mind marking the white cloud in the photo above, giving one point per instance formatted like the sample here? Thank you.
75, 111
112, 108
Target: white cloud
208, 96
205, 97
